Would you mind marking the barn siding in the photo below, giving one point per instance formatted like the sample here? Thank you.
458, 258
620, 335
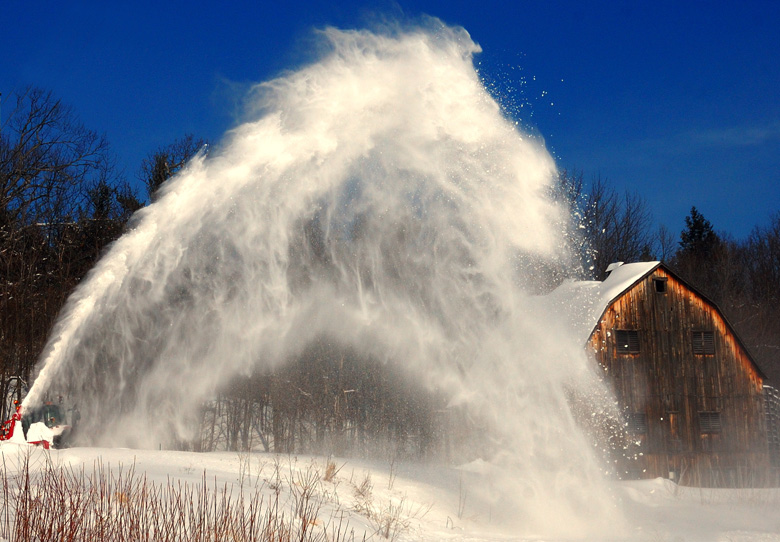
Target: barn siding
671, 385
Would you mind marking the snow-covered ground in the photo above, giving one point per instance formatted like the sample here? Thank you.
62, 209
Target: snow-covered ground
411, 501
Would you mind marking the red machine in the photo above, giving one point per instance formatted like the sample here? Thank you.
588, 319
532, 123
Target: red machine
46, 422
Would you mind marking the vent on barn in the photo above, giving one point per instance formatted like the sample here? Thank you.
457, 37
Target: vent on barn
709, 422
627, 341
703, 342
637, 423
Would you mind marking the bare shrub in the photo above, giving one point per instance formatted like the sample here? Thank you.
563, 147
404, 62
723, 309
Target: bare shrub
65, 503
331, 470
396, 517
365, 487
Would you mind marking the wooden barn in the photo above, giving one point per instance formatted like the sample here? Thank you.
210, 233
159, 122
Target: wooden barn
691, 395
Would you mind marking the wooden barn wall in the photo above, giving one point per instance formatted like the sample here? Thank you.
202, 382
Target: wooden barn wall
671, 385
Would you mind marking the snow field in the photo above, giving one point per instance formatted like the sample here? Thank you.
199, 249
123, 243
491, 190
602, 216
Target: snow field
122, 494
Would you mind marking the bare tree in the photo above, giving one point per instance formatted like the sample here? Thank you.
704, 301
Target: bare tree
47, 161
666, 245
46, 156
760, 303
763, 246
616, 228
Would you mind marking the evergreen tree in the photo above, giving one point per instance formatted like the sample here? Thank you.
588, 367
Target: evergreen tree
698, 238
705, 260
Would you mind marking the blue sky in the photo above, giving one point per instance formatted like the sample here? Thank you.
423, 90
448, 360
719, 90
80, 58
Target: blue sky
677, 101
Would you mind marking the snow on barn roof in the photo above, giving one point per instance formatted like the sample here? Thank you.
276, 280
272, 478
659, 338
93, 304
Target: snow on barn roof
583, 302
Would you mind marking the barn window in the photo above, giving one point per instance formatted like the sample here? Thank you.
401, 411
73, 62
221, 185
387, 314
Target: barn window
660, 285
627, 341
637, 423
709, 422
703, 342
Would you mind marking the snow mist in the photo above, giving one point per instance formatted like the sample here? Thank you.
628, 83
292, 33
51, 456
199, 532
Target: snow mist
433, 221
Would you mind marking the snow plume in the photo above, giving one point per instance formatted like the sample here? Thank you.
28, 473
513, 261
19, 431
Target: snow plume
378, 198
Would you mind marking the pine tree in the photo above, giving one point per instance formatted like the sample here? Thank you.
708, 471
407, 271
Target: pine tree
698, 238
702, 259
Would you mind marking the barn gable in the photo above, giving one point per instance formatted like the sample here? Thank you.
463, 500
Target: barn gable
655, 282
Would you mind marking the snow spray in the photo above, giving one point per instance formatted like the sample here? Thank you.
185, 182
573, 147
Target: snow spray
434, 218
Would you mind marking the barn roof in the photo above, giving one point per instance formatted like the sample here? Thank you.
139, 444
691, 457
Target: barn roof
583, 302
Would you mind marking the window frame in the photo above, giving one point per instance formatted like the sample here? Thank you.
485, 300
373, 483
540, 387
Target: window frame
661, 282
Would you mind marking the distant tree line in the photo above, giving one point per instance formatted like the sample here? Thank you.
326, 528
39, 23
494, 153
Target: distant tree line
329, 400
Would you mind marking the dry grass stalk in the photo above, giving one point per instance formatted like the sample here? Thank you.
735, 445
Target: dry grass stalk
63, 503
